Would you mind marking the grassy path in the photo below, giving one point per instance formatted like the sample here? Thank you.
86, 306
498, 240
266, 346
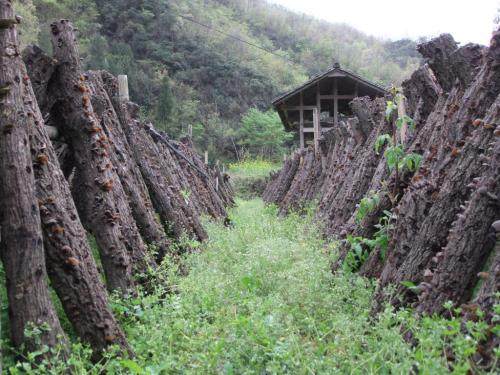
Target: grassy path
259, 298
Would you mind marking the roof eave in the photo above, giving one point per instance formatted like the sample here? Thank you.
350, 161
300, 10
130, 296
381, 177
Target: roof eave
313, 80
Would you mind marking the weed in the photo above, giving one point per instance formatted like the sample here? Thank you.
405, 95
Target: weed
260, 298
367, 205
249, 177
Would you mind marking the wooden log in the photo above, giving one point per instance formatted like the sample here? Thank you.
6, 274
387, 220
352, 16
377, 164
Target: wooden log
128, 171
70, 263
98, 192
213, 202
411, 251
21, 248
471, 240
161, 172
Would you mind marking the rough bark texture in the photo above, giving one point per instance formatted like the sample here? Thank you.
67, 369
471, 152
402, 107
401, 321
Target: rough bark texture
152, 168
124, 163
281, 181
112, 162
21, 244
97, 189
429, 207
181, 186
441, 234
41, 68
71, 266
456, 268
211, 202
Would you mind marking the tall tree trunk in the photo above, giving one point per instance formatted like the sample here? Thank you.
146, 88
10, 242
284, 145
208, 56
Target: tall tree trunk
21, 245
98, 192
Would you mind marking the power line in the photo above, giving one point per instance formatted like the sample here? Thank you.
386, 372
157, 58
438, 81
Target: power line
233, 37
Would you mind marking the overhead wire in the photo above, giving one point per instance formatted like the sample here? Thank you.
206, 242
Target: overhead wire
234, 37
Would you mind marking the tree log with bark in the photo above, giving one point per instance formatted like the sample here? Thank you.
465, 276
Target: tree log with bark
21, 246
441, 216
97, 188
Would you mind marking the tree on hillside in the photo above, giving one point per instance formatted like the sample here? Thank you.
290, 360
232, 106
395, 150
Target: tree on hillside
262, 134
166, 102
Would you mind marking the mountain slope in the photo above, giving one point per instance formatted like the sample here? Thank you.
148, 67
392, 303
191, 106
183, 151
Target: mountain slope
194, 62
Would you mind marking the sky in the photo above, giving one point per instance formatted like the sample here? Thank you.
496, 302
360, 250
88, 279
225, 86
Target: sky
469, 21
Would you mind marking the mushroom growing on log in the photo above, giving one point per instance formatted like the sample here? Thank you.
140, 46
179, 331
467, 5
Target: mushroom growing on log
21, 246
97, 189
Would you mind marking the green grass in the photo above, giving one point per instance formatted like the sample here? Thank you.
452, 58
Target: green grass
260, 299
253, 168
249, 177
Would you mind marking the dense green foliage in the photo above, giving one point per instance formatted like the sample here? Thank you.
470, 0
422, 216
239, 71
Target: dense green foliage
262, 134
249, 177
184, 73
260, 298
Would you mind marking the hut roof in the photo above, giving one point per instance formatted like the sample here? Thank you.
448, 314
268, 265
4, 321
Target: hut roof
349, 82
335, 69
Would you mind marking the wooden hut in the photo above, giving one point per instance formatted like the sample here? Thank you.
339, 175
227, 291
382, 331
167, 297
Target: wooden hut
322, 102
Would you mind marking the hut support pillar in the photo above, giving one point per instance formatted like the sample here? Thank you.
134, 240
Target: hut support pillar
335, 103
317, 128
318, 105
301, 125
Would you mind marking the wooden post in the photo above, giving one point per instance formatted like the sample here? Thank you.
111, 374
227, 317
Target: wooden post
401, 102
335, 102
301, 130
123, 88
316, 128
190, 131
206, 157
217, 183
318, 105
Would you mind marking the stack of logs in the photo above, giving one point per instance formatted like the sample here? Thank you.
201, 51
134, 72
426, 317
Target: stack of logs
445, 228
109, 173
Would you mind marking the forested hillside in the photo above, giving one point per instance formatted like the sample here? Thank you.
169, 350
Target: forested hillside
375, 248
193, 62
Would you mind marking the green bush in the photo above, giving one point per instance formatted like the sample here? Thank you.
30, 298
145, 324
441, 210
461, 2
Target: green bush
261, 134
